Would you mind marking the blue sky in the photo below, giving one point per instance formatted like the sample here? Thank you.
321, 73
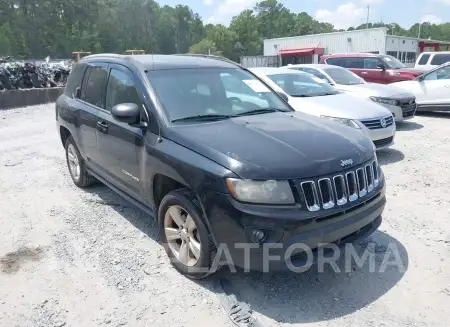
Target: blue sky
342, 13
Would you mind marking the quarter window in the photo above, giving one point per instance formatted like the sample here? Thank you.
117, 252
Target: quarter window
424, 59
95, 85
121, 89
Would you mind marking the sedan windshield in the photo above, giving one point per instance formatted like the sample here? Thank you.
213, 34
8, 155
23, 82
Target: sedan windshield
343, 76
212, 94
303, 85
392, 62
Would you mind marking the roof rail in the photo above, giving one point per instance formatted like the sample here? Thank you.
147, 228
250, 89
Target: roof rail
111, 55
208, 56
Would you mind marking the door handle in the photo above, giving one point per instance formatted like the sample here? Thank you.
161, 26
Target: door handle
364, 73
102, 127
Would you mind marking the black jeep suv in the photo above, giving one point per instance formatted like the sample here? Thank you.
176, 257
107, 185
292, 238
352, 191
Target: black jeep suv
218, 158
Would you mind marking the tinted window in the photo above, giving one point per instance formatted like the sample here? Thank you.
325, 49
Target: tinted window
371, 63
343, 76
121, 89
75, 78
95, 85
213, 91
424, 59
440, 59
335, 61
299, 85
353, 63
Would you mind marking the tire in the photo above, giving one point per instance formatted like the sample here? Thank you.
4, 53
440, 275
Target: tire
187, 201
79, 175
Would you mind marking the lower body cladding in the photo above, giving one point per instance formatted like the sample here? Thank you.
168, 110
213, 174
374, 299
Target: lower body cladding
279, 238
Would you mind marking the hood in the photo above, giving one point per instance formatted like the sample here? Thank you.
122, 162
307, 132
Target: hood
412, 71
340, 105
404, 85
276, 145
375, 90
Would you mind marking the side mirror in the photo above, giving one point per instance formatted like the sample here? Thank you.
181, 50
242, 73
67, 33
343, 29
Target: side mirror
381, 66
420, 78
284, 96
126, 113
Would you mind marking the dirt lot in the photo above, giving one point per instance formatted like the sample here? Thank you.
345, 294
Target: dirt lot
88, 258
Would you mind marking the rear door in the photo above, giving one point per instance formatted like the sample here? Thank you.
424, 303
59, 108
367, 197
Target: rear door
89, 103
119, 144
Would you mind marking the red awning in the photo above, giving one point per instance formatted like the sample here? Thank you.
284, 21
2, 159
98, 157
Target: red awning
301, 51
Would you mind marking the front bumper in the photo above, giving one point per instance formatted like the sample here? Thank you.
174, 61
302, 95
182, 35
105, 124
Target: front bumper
399, 113
287, 226
381, 137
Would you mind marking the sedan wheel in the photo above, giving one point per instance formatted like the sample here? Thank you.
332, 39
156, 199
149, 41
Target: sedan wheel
182, 235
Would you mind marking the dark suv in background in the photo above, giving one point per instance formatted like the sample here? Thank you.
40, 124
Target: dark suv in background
217, 158
373, 68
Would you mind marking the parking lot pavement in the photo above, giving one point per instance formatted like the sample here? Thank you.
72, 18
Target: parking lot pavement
70, 257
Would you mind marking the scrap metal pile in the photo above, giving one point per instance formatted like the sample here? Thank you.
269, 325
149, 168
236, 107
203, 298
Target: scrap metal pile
25, 75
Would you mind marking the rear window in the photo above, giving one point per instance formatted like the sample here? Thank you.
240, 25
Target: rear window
75, 78
424, 59
347, 62
335, 61
440, 59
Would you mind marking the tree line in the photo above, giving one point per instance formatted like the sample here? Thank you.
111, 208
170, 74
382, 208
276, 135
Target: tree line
38, 28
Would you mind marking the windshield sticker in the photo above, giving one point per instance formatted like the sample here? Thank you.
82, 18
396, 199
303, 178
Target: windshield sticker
256, 85
387, 59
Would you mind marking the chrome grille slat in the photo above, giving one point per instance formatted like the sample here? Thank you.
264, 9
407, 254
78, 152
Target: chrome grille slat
376, 123
338, 190
326, 193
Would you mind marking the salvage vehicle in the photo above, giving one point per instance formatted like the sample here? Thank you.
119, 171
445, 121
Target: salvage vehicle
311, 95
373, 68
432, 89
401, 103
217, 172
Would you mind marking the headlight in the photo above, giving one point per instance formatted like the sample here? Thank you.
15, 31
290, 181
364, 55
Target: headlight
392, 102
266, 192
345, 121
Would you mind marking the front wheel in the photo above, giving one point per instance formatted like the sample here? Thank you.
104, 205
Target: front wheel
185, 236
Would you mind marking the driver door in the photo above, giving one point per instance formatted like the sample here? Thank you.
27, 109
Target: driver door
435, 88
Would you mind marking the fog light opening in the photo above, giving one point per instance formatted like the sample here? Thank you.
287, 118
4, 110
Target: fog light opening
259, 236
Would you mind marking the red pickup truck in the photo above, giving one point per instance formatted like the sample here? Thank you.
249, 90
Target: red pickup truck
373, 68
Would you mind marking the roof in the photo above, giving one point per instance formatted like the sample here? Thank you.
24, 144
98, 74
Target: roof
352, 54
319, 66
160, 62
274, 71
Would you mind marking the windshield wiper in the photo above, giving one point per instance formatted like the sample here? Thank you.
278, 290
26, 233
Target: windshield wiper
258, 111
202, 117
301, 95
325, 94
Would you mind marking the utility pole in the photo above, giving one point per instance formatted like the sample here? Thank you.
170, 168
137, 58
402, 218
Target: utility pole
420, 25
368, 10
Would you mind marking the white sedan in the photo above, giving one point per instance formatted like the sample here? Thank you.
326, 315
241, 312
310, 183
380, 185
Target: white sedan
432, 89
400, 102
311, 95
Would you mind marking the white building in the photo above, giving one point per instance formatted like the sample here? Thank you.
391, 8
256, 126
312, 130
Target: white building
309, 48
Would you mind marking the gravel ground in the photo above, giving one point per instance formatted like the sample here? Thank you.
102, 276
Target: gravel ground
88, 258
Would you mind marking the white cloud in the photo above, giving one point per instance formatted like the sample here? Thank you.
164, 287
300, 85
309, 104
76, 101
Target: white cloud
373, 2
208, 2
229, 8
445, 2
433, 19
346, 15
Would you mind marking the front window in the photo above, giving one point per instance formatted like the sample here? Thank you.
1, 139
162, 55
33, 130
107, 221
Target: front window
343, 76
303, 85
392, 63
439, 74
212, 93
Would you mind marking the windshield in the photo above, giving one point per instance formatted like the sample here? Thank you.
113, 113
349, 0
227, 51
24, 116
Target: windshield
392, 62
343, 76
212, 93
301, 85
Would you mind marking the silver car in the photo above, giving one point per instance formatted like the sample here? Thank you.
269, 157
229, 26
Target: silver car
400, 102
312, 95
